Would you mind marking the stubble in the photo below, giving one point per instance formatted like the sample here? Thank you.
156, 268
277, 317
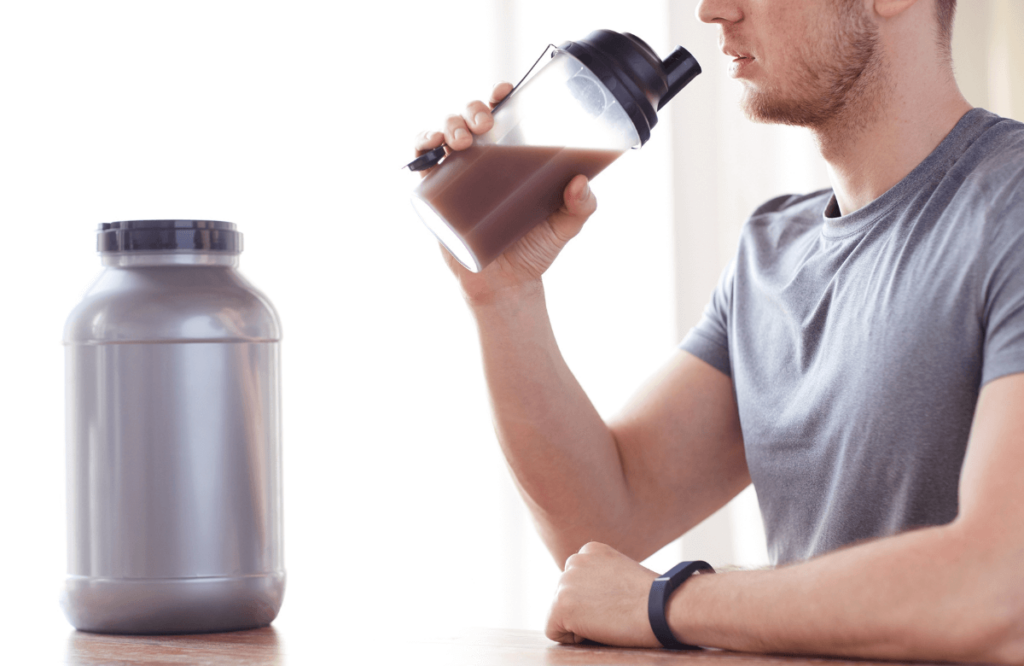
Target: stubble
838, 84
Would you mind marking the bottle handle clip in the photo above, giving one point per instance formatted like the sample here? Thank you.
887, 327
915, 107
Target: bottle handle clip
435, 155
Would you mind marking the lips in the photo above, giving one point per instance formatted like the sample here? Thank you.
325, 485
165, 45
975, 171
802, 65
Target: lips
737, 55
740, 64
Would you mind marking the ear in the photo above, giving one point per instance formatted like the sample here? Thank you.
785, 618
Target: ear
891, 8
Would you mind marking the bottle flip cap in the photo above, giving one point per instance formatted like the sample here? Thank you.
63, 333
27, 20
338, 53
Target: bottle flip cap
640, 81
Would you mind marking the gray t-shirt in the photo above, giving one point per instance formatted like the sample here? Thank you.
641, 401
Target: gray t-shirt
858, 344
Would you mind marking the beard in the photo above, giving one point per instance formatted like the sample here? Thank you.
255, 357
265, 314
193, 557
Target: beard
837, 80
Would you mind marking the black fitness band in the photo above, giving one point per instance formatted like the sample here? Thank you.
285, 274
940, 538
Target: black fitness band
661, 589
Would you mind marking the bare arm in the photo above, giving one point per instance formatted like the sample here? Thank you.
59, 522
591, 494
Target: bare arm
672, 457
951, 593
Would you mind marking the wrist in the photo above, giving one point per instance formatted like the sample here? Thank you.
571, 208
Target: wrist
485, 298
687, 609
662, 591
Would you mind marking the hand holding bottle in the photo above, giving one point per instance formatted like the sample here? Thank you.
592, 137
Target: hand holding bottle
526, 260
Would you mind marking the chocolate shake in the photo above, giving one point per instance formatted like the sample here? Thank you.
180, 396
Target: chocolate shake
492, 195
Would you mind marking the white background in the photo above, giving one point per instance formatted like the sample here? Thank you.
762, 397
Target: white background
292, 120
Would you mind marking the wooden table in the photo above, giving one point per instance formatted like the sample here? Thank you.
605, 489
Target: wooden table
476, 647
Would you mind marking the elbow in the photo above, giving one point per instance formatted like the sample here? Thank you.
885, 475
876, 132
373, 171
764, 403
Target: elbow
997, 645
564, 540
561, 556
991, 624
560, 544
564, 545
980, 632
1005, 640
980, 614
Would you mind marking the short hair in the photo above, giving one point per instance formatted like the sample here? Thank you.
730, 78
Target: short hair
945, 11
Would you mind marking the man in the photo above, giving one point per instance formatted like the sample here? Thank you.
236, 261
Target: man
862, 361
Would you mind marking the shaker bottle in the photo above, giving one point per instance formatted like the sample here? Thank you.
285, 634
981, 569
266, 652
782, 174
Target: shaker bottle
592, 101
173, 437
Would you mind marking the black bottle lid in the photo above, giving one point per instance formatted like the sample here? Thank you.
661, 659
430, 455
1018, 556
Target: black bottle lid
640, 81
168, 235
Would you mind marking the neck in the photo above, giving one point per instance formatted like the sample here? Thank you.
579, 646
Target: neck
909, 109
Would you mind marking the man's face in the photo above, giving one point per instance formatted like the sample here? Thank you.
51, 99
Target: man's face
802, 62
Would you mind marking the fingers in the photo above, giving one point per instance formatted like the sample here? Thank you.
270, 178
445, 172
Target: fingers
428, 140
499, 93
559, 635
556, 628
589, 548
579, 203
602, 595
458, 129
456, 133
478, 117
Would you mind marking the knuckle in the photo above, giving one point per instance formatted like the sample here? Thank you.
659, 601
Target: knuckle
425, 139
500, 92
562, 600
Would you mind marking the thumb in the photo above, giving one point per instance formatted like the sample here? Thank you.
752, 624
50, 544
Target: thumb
579, 203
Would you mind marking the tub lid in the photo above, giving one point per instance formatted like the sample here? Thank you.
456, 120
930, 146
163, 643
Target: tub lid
168, 235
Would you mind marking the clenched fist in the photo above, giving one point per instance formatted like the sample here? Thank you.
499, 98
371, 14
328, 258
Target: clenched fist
602, 596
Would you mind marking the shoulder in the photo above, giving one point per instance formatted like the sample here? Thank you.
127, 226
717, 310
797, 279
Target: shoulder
991, 169
994, 137
982, 195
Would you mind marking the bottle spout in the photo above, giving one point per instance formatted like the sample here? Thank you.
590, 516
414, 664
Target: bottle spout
680, 68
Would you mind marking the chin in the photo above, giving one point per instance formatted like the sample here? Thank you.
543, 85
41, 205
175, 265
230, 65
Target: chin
772, 108
761, 107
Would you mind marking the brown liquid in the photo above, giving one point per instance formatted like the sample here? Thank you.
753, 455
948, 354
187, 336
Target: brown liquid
493, 195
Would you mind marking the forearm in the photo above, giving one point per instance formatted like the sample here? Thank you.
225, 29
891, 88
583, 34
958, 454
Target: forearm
929, 594
562, 454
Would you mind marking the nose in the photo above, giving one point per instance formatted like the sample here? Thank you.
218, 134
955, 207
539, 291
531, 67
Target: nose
719, 11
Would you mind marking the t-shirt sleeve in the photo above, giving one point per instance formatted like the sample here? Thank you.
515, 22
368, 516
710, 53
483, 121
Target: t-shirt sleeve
1004, 293
709, 339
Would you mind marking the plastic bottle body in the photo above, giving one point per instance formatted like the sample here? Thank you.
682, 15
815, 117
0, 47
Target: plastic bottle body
173, 448
562, 122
